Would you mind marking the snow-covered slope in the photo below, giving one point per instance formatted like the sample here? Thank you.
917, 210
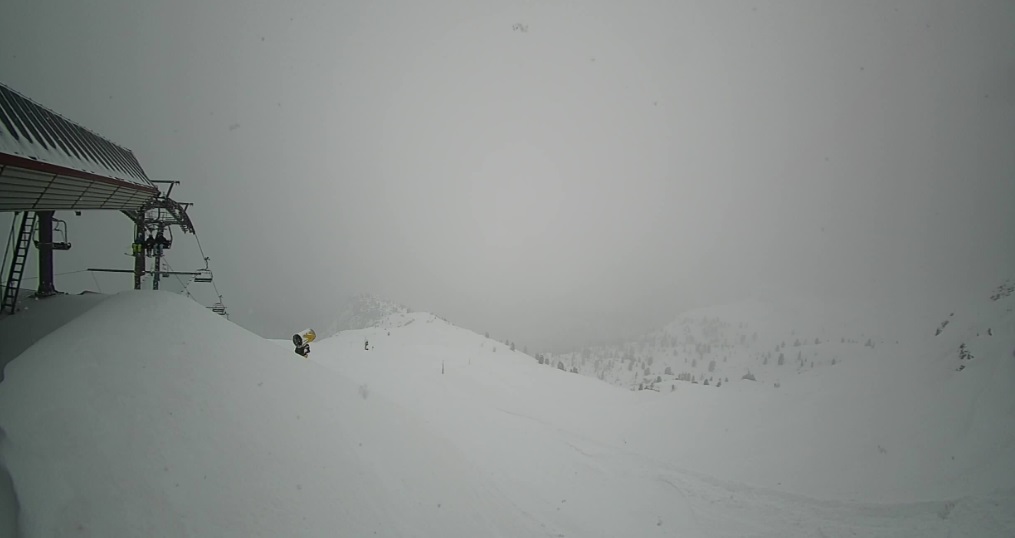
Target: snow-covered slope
869, 431
777, 341
149, 416
860, 406
37, 318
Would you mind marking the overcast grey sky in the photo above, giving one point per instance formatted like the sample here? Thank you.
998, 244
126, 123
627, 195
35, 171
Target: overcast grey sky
596, 170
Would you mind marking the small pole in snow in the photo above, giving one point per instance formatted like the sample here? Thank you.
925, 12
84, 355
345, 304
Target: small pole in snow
442, 367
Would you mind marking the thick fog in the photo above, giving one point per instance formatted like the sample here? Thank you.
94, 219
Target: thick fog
549, 171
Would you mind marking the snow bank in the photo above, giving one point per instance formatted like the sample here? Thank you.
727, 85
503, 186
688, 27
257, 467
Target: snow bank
148, 416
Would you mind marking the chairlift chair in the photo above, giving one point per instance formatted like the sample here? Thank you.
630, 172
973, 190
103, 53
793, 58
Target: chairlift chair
65, 244
57, 229
218, 308
203, 275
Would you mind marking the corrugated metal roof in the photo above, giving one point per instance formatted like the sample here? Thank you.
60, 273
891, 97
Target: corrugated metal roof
49, 162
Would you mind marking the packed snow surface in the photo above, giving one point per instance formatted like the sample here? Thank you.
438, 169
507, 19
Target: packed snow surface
147, 415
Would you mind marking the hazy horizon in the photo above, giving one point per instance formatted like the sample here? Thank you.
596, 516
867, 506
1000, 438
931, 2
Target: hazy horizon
551, 172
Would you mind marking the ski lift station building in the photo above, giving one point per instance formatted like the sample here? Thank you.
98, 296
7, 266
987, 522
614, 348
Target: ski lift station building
49, 163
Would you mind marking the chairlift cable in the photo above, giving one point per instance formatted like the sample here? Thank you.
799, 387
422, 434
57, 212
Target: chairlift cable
96, 279
180, 280
55, 274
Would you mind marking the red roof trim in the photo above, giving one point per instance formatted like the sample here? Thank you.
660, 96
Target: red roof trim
47, 168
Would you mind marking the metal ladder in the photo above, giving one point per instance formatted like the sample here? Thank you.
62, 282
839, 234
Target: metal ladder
10, 298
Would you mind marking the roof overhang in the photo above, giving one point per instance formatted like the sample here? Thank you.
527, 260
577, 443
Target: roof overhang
31, 185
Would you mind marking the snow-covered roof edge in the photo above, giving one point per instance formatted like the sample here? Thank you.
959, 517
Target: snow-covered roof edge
34, 132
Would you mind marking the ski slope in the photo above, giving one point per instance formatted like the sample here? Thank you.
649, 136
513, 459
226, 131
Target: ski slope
149, 416
811, 425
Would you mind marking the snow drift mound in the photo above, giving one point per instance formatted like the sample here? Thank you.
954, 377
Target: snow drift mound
149, 416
